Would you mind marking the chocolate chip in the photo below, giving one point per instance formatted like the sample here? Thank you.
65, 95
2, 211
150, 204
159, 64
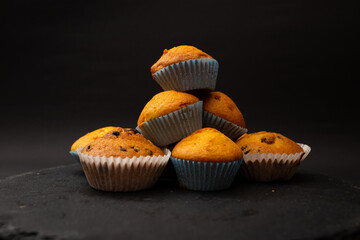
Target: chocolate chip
116, 133
131, 131
243, 148
268, 140
135, 131
136, 149
258, 150
217, 98
122, 149
247, 152
88, 148
279, 137
149, 152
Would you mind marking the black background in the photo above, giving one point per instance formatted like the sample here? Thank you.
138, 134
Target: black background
69, 67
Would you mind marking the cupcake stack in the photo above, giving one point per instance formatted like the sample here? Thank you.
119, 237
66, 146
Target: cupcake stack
204, 128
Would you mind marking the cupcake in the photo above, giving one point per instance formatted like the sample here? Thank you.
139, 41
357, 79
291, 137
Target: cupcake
185, 68
122, 160
270, 156
221, 112
206, 160
88, 138
170, 116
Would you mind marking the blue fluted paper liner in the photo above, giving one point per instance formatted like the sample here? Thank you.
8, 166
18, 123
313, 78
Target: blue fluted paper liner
205, 176
228, 128
75, 155
174, 126
188, 75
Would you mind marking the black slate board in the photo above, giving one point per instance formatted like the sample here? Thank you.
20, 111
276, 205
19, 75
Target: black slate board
57, 203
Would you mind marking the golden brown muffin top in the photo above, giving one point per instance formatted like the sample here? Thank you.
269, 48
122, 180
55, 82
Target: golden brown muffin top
164, 103
207, 145
267, 142
122, 142
178, 54
221, 105
90, 137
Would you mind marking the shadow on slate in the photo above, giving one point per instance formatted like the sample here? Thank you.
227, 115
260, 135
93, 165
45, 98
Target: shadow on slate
57, 203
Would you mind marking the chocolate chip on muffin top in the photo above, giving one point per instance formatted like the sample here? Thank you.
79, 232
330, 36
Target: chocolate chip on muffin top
267, 142
122, 142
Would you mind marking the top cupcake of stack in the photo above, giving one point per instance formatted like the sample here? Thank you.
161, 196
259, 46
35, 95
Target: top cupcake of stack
185, 68
188, 77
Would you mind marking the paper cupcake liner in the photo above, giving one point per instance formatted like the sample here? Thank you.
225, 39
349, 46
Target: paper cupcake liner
123, 174
75, 155
272, 167
188, 75
205, 176
174, 126
228, 128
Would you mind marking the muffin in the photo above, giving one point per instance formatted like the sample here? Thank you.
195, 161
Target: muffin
270, 156
170, 116
206, 160
123, 143
221, 112
185, 68
122, 160
87, 138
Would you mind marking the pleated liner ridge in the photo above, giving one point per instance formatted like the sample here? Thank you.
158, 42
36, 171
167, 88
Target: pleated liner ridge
75, 155
188, 75
272, 167
205, 176
228, 128
123, 174
174, 126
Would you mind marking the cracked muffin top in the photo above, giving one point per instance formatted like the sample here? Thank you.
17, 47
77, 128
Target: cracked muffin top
90, 137
122, 142
178, 54
267, 142
222, 106
207, 145
164, 103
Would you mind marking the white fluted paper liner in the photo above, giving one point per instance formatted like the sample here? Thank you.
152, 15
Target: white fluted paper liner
188, 75
271, 167
174, 126
123, 174
228, 128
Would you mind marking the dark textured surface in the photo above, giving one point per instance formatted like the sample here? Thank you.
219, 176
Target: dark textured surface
57, 203
70, 67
